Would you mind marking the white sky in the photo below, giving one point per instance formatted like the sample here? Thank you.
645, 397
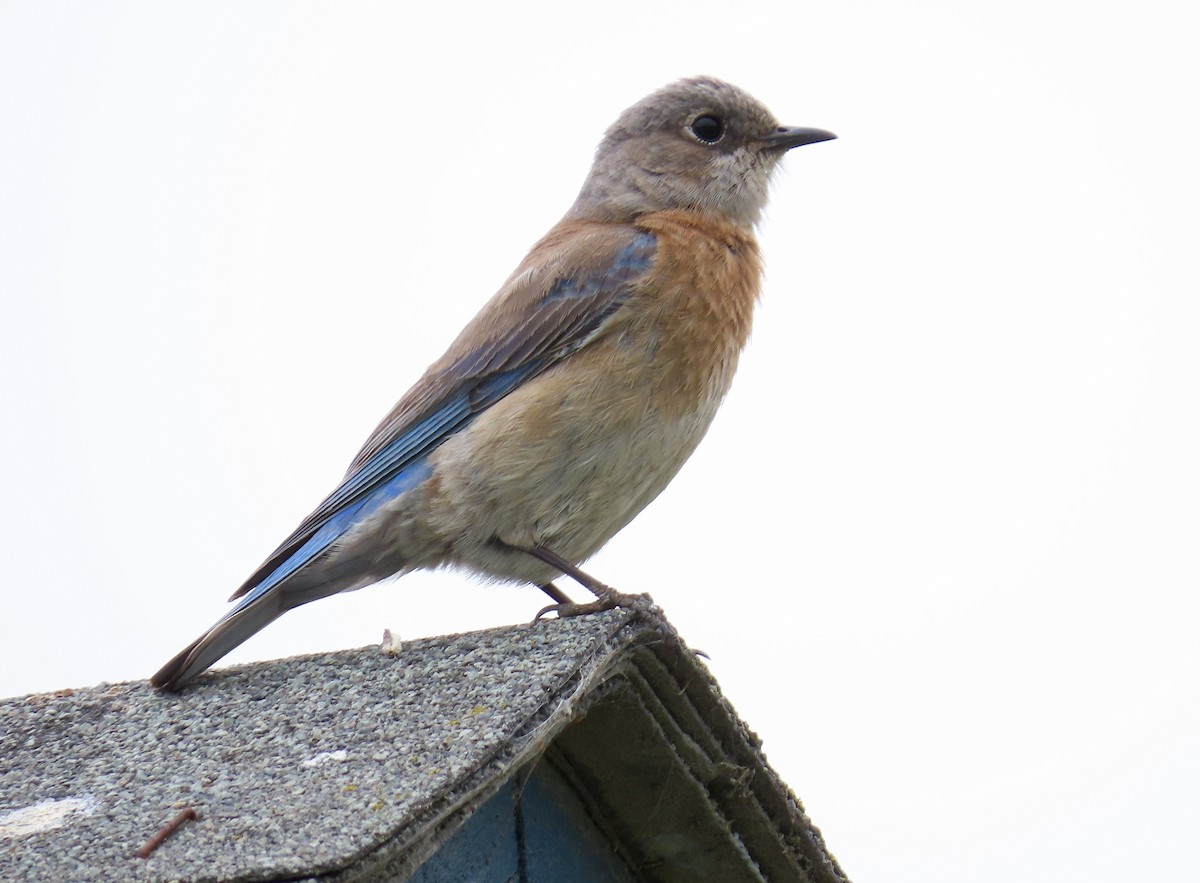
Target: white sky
941, 542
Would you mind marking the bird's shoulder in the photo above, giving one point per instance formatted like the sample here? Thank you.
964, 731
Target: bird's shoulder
576, 263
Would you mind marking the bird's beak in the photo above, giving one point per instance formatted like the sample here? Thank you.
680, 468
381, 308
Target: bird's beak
785, 138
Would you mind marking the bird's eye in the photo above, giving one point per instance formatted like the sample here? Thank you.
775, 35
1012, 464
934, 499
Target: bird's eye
708, 128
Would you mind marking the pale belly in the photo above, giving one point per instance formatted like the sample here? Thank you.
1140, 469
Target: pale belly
558, 465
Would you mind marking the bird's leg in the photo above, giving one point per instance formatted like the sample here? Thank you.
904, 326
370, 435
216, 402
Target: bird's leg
606, 596
593, 585
555, 592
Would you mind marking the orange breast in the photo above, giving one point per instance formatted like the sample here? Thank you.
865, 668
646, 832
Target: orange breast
701, 298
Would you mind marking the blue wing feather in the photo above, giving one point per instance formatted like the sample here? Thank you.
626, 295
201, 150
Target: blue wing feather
345, 518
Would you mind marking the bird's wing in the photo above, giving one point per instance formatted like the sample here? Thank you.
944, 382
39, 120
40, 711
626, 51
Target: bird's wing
557, 301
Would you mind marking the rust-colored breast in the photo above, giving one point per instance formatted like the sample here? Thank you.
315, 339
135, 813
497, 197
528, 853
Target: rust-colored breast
702, 293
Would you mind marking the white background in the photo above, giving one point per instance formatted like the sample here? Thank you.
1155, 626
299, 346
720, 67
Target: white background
940, 543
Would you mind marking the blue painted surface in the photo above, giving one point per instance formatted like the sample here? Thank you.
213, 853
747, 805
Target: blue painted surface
562, 844
544, 835
483, 850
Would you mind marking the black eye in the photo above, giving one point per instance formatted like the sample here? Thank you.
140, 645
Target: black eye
708, 128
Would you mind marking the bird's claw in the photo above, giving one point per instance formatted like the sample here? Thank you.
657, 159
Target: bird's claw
610, 601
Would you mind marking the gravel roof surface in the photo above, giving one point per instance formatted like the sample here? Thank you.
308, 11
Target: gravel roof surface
295, 767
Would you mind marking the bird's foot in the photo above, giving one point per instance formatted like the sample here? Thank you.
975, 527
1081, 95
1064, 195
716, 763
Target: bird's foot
611, 600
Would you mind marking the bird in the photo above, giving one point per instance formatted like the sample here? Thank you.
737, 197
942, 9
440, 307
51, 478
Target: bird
574, 396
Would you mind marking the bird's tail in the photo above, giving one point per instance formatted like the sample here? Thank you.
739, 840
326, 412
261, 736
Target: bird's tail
228, 633
309, 565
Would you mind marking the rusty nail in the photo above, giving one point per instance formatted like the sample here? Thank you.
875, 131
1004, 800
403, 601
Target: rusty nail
166, 831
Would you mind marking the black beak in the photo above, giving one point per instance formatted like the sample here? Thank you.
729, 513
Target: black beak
785, 138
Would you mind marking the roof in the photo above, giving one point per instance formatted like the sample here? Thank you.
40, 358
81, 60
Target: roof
351, 764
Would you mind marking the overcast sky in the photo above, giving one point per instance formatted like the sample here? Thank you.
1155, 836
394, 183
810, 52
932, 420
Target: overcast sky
941, 543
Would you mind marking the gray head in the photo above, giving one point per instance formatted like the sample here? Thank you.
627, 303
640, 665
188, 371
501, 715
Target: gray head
697, 144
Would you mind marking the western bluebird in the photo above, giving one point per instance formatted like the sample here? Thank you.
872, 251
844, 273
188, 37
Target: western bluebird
574, 396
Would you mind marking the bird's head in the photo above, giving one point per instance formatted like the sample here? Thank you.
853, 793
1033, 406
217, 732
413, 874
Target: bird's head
698, 144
